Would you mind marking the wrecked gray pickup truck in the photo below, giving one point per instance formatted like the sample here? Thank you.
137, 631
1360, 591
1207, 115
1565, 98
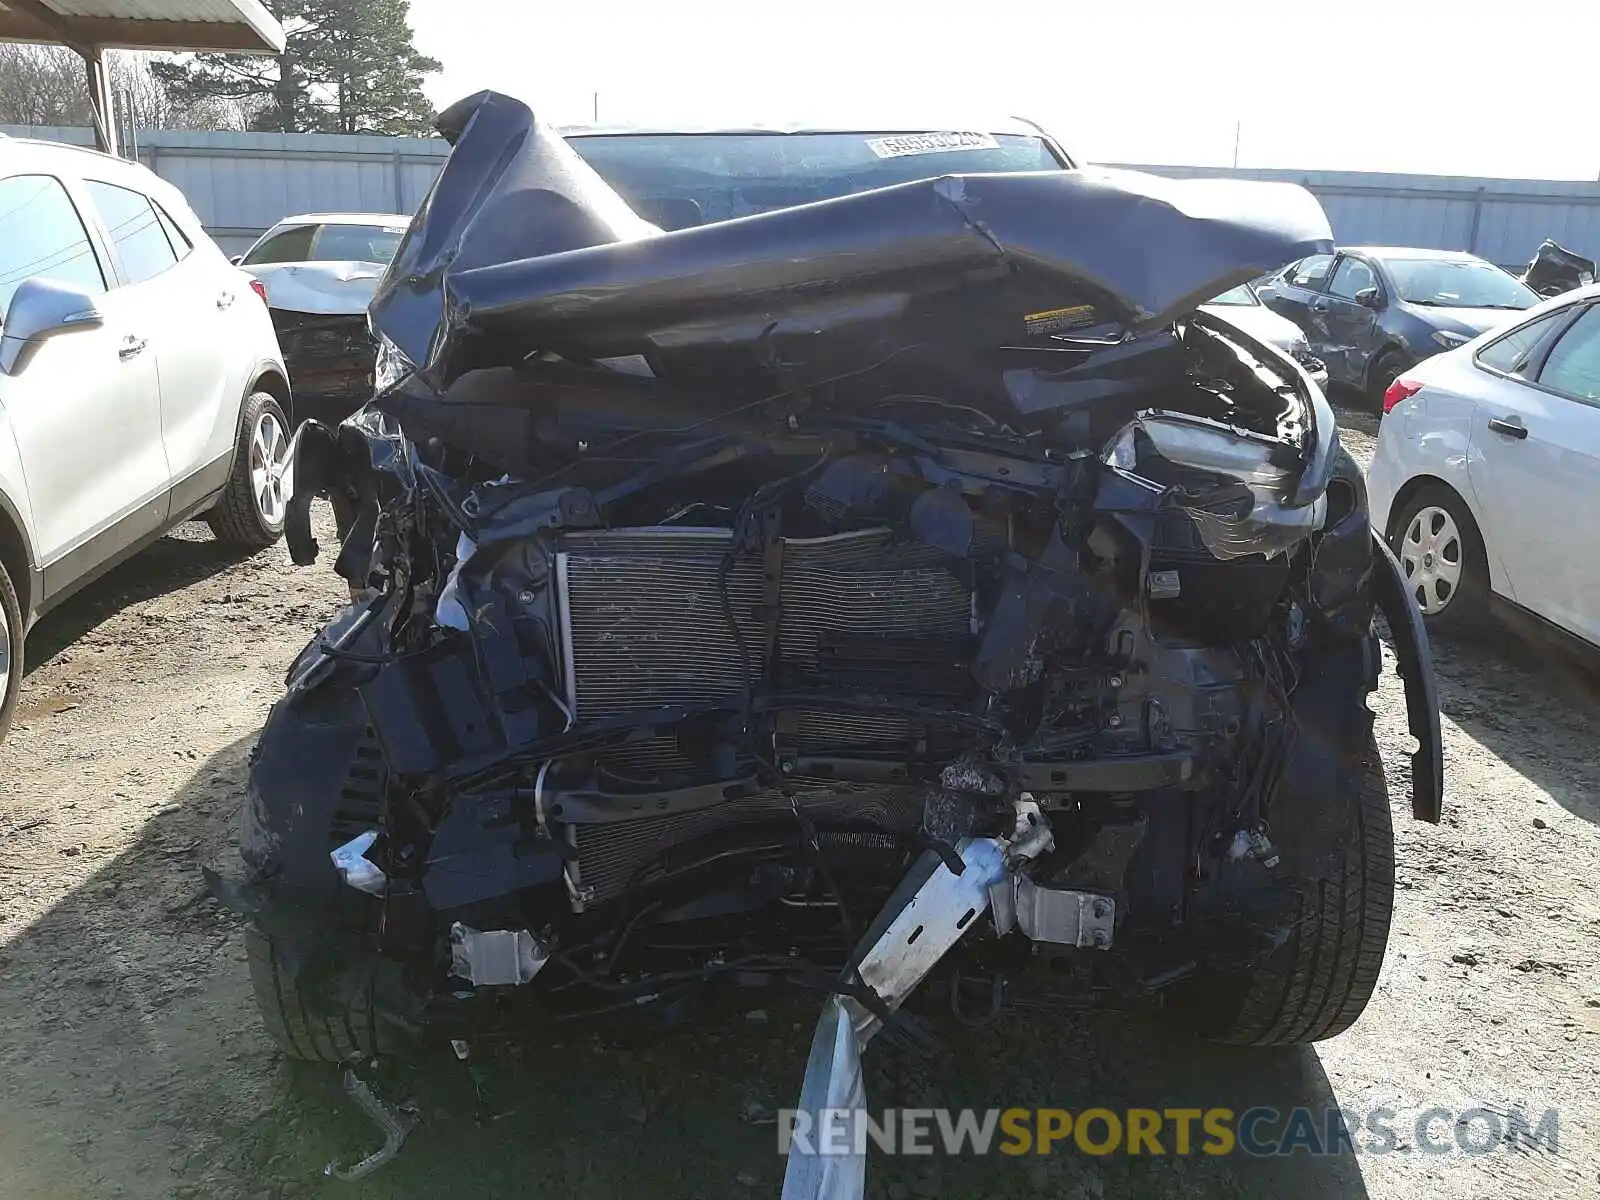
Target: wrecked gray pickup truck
907, 583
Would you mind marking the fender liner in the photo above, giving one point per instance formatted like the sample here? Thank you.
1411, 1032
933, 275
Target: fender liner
1415, 666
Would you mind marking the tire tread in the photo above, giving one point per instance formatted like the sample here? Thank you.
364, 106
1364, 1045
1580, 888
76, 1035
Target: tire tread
1337, 949
235, 519
292, 1018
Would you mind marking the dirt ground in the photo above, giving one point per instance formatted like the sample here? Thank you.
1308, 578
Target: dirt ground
132, 1062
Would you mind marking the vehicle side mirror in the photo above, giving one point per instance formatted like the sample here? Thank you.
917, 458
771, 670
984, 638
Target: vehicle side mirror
40, 309
1370, 298
236, 259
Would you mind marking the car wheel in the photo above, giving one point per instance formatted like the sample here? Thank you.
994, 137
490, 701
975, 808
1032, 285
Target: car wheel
325, 1005
1385, 370
10, 651
254, 504
1339, 856
1441, 552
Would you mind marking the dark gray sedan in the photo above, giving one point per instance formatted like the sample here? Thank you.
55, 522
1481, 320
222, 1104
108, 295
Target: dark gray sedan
1369, 312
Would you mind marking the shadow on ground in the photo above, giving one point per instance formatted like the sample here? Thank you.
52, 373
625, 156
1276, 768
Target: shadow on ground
1529, 699
136, 1066
185, 556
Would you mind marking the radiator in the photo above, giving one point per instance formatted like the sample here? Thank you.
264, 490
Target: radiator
644, 624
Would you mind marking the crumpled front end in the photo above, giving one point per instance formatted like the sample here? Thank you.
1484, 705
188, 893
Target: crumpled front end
1554, 269
897, 585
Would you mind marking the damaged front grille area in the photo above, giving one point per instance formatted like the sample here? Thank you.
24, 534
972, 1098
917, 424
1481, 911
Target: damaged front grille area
909, 582
614, 857
917, 562
330, 357
656, 618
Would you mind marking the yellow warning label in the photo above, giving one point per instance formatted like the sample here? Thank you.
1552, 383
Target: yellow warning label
1055, 320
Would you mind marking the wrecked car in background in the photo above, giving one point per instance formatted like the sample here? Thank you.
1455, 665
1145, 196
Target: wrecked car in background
318, 272
1241, 307
907, 582
1554, 270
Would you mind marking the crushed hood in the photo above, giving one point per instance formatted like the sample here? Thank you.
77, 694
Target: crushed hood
522, 247
324, 288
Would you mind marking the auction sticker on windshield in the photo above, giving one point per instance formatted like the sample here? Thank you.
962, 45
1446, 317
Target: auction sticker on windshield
903, 144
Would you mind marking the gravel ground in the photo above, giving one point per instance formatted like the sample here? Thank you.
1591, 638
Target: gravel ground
134, 1064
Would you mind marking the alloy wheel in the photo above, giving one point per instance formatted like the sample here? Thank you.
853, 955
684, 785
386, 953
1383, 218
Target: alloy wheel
1431, 553
269, 458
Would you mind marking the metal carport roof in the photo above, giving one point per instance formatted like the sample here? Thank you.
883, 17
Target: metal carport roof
92, 26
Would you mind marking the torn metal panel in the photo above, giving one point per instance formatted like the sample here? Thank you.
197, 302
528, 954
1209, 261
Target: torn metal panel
933, 910
516, 192
395, 1127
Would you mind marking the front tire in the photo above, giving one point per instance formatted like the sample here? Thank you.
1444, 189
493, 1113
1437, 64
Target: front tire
253, 506
1340, 864
1442, 554
325, 1007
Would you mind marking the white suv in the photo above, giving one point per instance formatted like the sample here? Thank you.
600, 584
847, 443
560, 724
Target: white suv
140, 381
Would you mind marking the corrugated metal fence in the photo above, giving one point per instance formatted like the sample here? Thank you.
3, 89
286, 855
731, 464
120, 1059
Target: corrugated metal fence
1503, 220
240, 183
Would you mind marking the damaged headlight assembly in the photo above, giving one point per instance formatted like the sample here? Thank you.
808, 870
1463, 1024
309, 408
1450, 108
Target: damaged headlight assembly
932, 595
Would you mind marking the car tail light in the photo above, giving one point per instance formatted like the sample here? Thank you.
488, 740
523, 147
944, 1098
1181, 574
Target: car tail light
259, 289
1400, 389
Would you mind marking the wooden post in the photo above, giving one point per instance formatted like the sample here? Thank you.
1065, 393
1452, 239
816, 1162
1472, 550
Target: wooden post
101, 100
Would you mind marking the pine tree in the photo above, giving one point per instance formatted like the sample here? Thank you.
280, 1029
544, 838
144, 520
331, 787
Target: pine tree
349, 67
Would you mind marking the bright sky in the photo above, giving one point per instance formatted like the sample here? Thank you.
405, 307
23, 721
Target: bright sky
1476, 87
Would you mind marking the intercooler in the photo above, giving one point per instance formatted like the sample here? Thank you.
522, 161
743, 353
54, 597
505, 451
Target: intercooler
645, 620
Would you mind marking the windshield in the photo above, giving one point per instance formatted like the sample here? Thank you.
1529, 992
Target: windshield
356, 243
1447, 283
328, 243
680, 179
1240, 296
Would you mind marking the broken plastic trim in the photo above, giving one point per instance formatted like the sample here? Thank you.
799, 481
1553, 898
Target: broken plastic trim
1270, 527
356, 869
1415, 665
1320, 430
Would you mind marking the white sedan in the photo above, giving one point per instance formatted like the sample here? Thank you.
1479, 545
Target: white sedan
320, 271
1486, 480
